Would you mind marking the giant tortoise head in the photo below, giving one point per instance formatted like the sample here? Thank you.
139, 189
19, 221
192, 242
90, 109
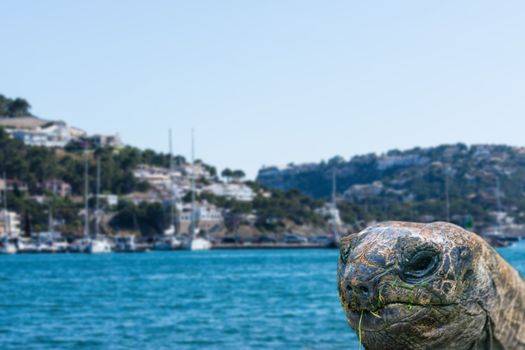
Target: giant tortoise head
411, 286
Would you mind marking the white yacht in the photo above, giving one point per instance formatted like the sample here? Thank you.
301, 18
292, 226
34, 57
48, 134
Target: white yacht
49, 241
169, 240
91, 245
197, 244
7, 246
98, 245
194, 243
7, 243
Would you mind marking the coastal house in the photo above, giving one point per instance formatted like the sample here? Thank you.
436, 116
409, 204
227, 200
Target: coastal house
156, 177
13, 184
54, 134
9, 223
197, 170
165, 181
237, 191
110, 199
100, 140
57, 187
206, 215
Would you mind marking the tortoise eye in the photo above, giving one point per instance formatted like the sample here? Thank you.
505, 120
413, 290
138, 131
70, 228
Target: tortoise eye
420, 265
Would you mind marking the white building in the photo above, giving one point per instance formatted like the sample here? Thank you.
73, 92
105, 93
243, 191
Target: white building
237, 191
58, 187
12, 184
111, 199
155, 176
197, 170
52, 134
165, 182
206, 216
9, 223
107, 140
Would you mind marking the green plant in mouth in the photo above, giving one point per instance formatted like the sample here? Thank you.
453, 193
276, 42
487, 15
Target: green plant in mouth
380, 299
410, 295
375, 314
359, 330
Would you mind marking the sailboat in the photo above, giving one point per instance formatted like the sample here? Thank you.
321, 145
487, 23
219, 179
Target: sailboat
97, 243
7, 245
173, 228
168, 241
49, 241
335, 220
194, 242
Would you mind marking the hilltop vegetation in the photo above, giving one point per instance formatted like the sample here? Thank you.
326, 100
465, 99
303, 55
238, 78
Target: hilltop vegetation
412, 184
12, 108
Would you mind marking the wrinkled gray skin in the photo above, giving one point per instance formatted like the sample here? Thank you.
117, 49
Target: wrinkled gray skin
429, 286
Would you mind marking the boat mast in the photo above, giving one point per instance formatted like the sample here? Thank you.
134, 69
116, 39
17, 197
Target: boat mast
86, 189
5, 205
335, 224
97, 206
50, 220
498, 202
192, 184
172, 206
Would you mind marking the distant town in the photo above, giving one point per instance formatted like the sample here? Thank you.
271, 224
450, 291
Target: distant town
148, 195
61, 184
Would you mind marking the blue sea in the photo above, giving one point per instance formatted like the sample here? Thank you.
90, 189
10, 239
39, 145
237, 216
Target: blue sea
280, 299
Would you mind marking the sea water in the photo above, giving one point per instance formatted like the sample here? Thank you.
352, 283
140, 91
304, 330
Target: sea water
259, 299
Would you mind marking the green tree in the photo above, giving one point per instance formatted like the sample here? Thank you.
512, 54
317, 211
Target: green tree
18, 107
227, 174
237, 175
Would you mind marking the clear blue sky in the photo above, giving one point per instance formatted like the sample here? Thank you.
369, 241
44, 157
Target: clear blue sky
276, 81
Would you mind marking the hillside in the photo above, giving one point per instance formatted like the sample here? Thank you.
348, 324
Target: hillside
30, 170
43, 163
412, 185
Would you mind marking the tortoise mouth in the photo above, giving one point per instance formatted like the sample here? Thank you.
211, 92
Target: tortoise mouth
394, 314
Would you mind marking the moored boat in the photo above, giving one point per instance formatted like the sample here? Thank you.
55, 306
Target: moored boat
98, 245
167, 242
127, 244
194, 242
7, 245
